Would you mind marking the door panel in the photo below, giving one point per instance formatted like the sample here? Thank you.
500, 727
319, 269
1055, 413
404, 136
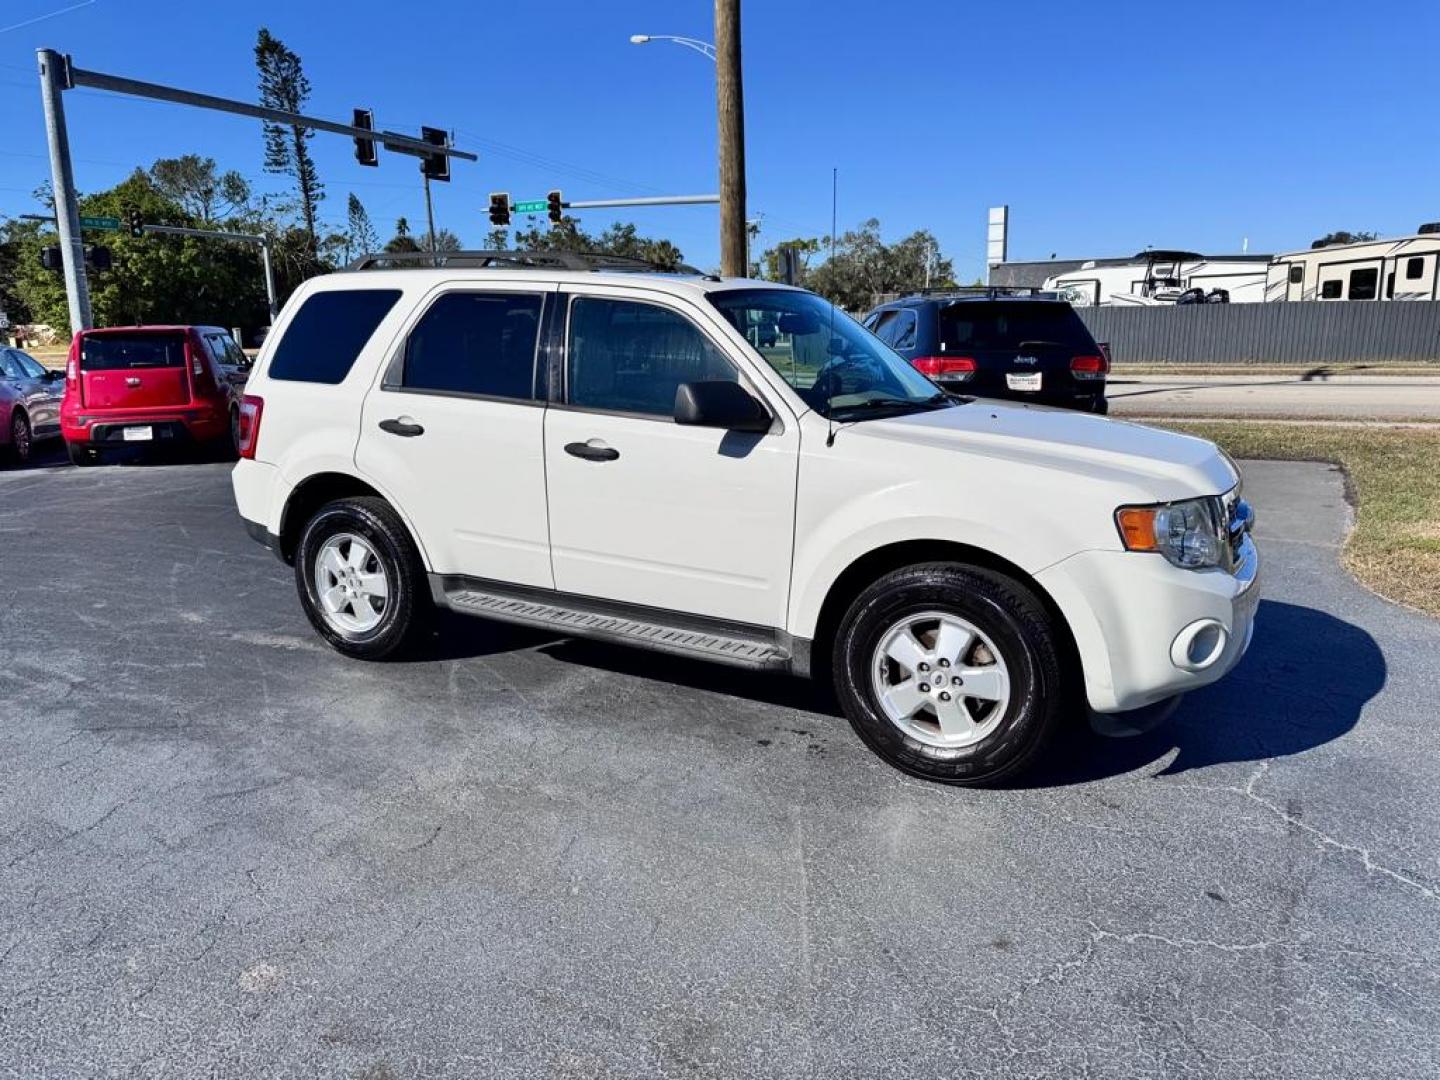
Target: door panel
684, 518
647, 511
472, 478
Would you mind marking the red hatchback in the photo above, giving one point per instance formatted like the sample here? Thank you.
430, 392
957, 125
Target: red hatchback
148, 386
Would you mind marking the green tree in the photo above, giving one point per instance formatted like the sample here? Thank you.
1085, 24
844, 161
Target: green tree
202, 191
445, 240
617, 239
863, 267
283, 85
402, 241
363, 237
153, 278
497, 239
15, 239
770, 257
1340, 236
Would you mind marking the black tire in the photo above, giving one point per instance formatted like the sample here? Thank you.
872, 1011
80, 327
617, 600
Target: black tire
1006, 613
82, 456
22, 441
408, 608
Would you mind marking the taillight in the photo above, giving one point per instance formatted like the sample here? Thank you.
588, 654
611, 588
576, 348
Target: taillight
249, 435
949, 368
72, 367
1089, 367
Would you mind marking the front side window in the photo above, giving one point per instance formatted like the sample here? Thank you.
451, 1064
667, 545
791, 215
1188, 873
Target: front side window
836, 367
475, 343
627, 356
19, 365
225, 351
326, 335
1364, 283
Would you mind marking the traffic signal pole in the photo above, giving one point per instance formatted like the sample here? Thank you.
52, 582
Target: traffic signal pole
58, 74
62, 180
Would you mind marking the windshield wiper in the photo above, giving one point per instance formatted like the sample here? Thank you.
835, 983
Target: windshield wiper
940, 400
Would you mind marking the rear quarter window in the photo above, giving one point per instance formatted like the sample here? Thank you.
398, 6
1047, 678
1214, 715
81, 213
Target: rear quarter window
327, 333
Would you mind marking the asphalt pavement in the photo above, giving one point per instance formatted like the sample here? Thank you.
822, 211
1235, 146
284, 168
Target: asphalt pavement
1304, 395
226, 851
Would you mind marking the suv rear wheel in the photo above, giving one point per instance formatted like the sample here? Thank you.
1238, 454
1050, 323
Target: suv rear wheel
360, 578
949, 672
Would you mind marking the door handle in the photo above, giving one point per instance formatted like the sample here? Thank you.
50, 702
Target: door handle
402, 426
592, 451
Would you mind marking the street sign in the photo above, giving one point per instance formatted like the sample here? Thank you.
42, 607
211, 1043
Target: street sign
109, 224
534, 206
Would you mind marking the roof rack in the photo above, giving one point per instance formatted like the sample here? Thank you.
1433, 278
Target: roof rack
990, 292
534, 260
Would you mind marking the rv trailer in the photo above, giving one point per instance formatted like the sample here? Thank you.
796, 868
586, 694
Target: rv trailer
1404, 268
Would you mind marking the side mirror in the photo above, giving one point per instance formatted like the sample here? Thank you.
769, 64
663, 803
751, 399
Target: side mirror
725, 405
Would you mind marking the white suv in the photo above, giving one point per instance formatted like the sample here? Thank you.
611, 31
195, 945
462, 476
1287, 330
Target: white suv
735, 471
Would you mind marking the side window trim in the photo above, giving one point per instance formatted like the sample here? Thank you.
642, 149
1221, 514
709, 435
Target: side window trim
393, 372
561, 397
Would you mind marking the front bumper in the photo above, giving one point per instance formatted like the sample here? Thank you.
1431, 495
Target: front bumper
1147, 630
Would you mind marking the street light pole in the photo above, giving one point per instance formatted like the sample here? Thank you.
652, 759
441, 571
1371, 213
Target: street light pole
730, 107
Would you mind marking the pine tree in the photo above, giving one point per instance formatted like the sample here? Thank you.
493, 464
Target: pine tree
283, 85
364, 239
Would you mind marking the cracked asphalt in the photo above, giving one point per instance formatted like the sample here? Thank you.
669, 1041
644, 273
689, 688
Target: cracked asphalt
227, 851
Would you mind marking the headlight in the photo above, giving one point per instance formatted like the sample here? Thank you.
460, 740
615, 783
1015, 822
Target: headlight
1189, 534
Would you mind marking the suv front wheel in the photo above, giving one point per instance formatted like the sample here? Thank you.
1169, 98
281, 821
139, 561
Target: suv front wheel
949, 672
360, 578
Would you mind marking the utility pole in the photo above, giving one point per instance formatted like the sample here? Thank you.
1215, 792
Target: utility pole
430, 220
730, 104
53, 83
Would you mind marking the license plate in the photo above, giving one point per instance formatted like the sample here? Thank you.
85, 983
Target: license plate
1027, 381
137, 434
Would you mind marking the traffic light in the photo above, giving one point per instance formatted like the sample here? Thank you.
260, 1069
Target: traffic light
134, 224
365, 152
435, 166
97, 257
50, 258
555, 206
500, 208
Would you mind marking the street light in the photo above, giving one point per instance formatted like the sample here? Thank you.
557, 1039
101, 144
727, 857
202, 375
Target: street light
704, 48
724, 53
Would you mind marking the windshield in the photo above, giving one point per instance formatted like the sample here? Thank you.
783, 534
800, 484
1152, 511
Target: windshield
839, 368
19, 365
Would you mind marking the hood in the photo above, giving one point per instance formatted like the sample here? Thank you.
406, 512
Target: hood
1164, 464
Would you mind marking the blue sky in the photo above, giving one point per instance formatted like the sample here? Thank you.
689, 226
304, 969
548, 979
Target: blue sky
1105, 126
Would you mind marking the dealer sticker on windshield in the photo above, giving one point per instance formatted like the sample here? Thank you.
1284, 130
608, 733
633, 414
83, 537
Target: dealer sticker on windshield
1027, 381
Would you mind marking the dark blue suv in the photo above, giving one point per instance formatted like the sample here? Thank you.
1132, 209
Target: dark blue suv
997, 343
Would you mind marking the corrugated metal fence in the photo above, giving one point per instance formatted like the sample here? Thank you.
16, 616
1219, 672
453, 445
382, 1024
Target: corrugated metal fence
1300, 333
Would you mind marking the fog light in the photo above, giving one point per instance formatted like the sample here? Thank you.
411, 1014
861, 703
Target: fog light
1199, 645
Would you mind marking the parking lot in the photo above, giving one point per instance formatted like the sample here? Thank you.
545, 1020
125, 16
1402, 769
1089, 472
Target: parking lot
226, 849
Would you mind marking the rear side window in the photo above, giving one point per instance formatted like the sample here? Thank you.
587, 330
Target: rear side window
970, 326
125, 352
327, 333
475, 343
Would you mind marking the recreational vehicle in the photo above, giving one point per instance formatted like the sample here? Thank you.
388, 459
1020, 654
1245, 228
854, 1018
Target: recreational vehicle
1405, 268
1154, 278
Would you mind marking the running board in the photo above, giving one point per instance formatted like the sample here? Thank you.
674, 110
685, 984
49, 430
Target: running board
647, 628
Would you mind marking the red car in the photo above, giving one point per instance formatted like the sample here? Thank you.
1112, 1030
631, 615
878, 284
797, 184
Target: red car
149, 386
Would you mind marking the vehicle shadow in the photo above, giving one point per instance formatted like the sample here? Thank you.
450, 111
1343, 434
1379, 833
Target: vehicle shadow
1304, 682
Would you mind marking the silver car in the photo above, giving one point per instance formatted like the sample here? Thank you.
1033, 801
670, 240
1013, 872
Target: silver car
29, 402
